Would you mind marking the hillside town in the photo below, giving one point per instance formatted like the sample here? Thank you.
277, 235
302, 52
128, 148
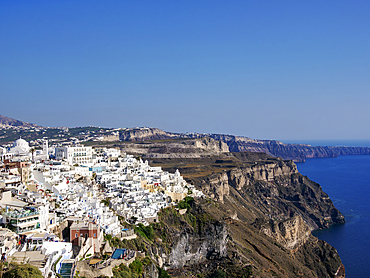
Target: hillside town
59, 202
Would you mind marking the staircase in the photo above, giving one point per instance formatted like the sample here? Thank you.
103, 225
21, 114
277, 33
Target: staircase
67, 270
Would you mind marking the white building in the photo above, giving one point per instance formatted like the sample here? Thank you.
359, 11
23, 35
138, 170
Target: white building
20, 147
75, 155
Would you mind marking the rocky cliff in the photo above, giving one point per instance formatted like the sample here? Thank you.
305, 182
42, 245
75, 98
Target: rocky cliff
193, 248
264, 211
294, 235
145, 133
179, 148
275, 188
296, 152
291, 233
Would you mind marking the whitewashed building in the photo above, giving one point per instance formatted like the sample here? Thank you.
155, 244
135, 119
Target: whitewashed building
75, 155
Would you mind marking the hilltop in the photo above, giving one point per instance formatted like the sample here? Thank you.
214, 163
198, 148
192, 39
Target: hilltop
9, 122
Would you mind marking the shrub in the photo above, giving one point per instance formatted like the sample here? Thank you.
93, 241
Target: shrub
23, 271
162, 273
136, 266
186, 203
145, 231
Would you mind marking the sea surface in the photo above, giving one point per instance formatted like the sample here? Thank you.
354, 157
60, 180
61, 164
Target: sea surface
347, 181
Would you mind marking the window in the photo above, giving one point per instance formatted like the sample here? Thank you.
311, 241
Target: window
76, 235
81, 234
94, 235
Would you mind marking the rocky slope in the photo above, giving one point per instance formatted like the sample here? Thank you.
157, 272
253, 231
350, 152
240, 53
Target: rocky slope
262, 210
274, 188
207, 240
9, 122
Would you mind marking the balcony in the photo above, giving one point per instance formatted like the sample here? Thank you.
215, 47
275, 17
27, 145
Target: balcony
25, 223
17, 214
20, 230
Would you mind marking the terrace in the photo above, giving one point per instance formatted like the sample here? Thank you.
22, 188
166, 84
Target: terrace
20, 214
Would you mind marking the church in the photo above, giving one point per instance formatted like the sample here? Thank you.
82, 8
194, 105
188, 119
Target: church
20, 148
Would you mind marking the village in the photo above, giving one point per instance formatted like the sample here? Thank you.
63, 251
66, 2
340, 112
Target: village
59, 203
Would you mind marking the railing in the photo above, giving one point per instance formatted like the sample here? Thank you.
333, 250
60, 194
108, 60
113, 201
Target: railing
21, 215
26, 222
21, 247
28, 229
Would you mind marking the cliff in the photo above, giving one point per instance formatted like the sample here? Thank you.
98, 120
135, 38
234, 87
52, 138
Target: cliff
295, 152
258, 219
193, 247
276, 189
180, 148
146, 133
294, 235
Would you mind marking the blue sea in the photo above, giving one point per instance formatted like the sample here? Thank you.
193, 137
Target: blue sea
347, 181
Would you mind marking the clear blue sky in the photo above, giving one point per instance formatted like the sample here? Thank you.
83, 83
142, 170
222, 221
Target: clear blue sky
263, 69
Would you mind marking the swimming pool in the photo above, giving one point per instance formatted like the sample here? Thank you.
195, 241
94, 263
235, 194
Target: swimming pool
118, 253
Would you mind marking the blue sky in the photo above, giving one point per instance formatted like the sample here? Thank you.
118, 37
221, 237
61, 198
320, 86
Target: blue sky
263, 69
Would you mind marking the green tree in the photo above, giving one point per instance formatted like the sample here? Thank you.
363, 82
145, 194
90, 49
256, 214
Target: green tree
23, 271
136, 266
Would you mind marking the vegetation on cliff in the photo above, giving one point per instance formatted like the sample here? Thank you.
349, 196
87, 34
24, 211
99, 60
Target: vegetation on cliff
15, 270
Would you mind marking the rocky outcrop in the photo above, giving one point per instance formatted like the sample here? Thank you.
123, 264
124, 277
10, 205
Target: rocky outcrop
291, 233
275, 188
296, 152
147, 133
85, 270
150, 271
294, 235
261, 171
216, 186
208, 144
182, 148
193, 248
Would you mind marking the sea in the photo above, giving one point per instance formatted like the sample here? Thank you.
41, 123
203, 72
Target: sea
346, 179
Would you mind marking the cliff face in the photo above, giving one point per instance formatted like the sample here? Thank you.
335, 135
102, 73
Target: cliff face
294, 235
291, 233
188, 241
180, 148
194, 248
144, 133
260, 200
296, 152
276, 189
207, 239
